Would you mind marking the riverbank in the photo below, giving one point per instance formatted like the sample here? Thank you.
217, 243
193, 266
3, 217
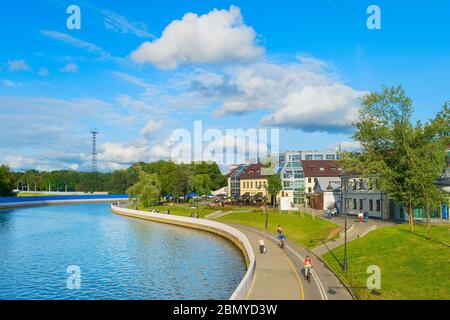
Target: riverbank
228, 232
18, 202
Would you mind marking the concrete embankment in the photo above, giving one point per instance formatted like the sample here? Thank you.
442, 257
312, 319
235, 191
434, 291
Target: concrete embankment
228, 232
22, 202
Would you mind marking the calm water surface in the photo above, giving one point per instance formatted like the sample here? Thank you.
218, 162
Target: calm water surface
119, 258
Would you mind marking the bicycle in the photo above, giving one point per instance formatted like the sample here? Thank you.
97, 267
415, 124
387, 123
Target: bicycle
308, 270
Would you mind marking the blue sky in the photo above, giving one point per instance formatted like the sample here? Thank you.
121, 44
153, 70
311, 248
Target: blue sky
300, 66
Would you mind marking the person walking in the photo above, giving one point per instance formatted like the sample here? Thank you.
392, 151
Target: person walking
360, 216
329, 213
366, 216
334, 212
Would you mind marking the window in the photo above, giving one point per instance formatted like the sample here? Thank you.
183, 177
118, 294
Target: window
296, 157
354, 204
330, 157
371, 205
318, 157
354, 184
361, 204
308, 157
281, 158
378, 205
298, 174
309, 189
321, 169
309, 180
251, 184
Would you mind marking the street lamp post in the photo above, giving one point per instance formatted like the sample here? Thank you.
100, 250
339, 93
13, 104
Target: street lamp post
344, 265
267, 213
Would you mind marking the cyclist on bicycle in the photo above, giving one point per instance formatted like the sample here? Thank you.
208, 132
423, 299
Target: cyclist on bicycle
308, 265
282, 239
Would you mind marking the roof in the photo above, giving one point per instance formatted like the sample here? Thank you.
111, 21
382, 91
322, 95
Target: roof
233, 170
321, 168
253, 171
323, 183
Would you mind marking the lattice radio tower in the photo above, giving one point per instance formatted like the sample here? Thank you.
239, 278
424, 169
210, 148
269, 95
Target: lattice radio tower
94, 150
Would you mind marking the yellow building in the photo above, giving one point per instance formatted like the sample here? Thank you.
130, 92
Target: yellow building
252, 182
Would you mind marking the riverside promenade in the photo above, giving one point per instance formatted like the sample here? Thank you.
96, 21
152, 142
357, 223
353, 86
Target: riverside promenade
274, 275
279, 272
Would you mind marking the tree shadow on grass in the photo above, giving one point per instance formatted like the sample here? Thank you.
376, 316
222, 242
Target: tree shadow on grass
425, 237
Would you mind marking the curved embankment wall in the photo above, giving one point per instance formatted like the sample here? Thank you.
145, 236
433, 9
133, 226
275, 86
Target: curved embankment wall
17, 202
228, 232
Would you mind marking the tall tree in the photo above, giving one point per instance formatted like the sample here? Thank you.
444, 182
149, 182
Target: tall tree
273, 187
402, 158
147, 190
6, 181
202, 184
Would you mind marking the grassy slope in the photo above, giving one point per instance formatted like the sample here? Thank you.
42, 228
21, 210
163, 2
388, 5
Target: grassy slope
412, 267
184, 209
306, 231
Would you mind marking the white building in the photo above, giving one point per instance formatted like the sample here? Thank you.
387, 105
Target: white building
360, 194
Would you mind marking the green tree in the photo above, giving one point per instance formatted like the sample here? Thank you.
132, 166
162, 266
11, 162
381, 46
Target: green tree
6, 181
202, 184
402, 158
147, 190
273, 187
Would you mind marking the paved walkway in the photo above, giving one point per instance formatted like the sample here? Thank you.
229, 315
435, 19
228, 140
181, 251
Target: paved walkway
279, 272
217, 214
355, 230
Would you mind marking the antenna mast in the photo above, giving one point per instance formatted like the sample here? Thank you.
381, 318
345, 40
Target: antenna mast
94, 150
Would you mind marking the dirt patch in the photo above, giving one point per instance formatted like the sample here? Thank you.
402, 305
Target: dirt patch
334, 233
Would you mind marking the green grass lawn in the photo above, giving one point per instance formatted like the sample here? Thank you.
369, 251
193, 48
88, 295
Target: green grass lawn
183, 209
412, 267
305, 231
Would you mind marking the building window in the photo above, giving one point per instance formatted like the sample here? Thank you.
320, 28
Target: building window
298, 174
371, 205
251, 184
361, 204
354, 184
296, 157
378, 205
309, 180
330, 157
309, 189
318, 157
308, 157
354, 204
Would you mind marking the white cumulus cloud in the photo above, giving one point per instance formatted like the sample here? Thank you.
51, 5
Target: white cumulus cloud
218, 36
331, 108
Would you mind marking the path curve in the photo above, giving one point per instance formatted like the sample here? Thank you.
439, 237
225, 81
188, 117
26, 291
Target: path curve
325, 285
